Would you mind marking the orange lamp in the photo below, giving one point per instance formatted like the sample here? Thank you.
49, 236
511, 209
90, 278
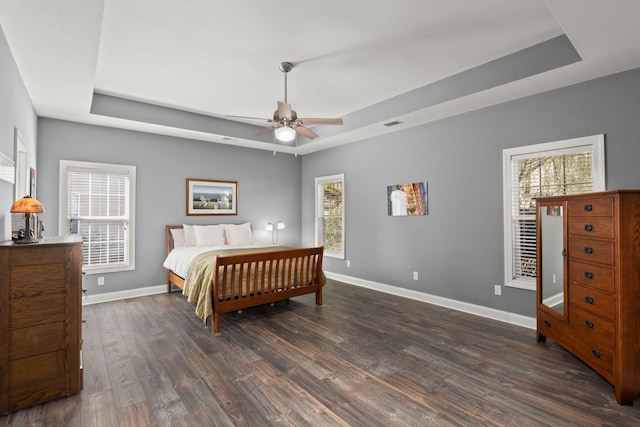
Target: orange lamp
27, 205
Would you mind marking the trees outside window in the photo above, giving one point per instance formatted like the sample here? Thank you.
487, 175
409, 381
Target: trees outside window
330, 215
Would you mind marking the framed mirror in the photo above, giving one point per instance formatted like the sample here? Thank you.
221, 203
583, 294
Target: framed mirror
553, 254
22, 185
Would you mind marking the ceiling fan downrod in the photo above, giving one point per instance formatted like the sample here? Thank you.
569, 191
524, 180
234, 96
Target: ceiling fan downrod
285, 67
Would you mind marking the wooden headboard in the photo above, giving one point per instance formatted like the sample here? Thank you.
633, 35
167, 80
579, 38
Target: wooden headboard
169, 237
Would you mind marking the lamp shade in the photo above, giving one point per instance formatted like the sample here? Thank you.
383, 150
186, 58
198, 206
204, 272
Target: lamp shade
269, 227
27, 205
285, 133
281, 225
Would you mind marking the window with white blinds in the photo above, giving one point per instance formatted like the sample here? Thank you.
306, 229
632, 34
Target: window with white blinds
564, 167
330, 215
98, 205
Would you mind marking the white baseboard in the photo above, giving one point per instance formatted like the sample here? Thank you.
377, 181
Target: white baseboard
115, 296
478, 310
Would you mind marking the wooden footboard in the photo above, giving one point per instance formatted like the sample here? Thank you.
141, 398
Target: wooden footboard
250, 280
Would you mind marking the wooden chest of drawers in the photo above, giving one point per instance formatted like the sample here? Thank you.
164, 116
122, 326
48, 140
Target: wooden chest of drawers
598, 318
40, 317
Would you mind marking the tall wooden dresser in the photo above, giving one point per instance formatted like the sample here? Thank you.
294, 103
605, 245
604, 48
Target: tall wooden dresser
40, 318
588, 282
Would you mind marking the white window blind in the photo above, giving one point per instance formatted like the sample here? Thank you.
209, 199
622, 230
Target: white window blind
565, 167
98, 208
330, 215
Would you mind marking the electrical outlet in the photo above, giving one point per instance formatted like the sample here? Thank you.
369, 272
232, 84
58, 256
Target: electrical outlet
100, 280
415, 275
348, 263
497, 289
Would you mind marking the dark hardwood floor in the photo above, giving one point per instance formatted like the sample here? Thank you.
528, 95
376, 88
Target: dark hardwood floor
364, 358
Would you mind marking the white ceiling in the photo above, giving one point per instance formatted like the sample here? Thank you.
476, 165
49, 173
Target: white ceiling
221, 58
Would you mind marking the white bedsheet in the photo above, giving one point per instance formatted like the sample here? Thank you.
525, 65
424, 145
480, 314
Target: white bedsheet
179, 259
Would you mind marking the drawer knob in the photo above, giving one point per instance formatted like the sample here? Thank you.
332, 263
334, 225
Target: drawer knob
588, 250
588, 275
596, 353
588, 300
588, 227
588, 207
547, 323
588, 324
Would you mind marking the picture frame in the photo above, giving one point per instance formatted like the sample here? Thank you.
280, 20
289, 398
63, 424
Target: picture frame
32, 183
211, 197
408, 199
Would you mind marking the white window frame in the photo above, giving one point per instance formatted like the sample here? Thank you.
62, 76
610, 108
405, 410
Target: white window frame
319, 182
63, 214
593, 143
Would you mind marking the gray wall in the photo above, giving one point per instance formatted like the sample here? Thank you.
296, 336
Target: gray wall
16, 112
458, 248
268, 187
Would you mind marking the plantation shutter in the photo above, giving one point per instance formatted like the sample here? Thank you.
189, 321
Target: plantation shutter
558, 172
98, 210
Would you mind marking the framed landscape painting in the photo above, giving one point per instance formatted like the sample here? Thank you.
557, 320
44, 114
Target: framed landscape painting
207, 197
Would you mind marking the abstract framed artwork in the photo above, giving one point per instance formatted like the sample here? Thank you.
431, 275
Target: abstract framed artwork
208, 197
407, 199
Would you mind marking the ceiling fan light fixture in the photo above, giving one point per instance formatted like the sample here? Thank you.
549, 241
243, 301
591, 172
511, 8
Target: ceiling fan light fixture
285, 133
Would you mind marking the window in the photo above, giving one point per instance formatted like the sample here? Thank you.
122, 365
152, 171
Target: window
97, 202
330, 215
563, 167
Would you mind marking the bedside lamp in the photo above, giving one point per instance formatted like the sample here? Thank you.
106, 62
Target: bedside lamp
274, 231
27, 205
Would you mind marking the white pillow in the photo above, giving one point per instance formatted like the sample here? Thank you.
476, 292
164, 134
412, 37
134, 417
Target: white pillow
178, 237
238, 235
189, 235
209, 235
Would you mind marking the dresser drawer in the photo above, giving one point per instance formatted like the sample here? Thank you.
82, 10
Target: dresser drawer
551, 327
601, 227
595, 206
601, 251
595, 355
595, 302
591, 327
594, 276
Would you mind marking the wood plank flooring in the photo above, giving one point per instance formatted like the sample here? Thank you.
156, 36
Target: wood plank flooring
362, 359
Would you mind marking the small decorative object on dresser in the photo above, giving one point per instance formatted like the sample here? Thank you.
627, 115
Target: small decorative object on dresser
588, 282
40, 317
28, 206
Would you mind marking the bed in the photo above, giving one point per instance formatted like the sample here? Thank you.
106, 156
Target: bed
248, 274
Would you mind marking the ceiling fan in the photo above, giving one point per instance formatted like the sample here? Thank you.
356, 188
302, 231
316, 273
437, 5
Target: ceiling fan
286, 123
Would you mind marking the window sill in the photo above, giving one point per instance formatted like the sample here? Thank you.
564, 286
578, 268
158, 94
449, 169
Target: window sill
528, 285
106, 270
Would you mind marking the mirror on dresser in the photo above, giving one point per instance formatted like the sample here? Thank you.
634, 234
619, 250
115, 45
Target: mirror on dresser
553, 256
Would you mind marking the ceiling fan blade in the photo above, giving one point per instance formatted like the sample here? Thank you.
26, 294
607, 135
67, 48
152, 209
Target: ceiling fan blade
301, 130
265, 130
318, 121
284, 110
